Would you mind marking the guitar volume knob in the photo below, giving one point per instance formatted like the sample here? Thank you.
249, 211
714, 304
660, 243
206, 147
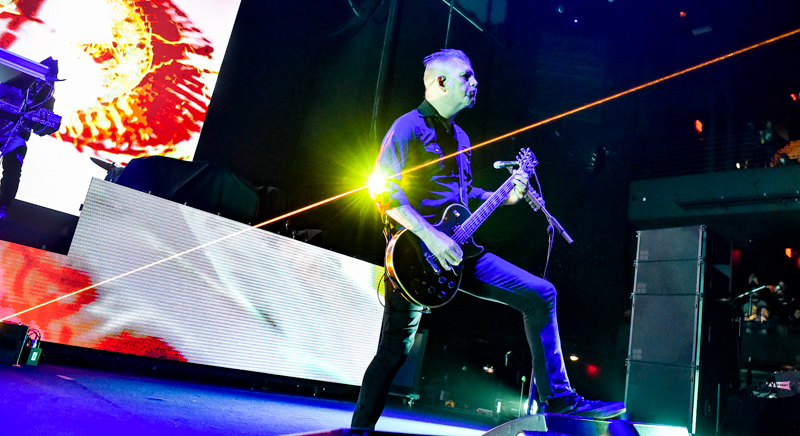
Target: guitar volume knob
442, 279
451, 285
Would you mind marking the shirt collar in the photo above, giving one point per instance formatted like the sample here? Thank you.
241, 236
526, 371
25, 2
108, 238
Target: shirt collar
427, 110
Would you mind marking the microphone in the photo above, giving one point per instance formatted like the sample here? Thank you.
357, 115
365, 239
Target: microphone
505, 164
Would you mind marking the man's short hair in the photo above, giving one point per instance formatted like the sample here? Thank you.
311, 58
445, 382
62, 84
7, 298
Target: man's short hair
435, 61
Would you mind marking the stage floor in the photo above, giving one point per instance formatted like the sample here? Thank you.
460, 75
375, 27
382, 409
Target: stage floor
59, 400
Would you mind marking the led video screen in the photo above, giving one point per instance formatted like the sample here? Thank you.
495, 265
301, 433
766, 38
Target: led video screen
167, 281
138, 79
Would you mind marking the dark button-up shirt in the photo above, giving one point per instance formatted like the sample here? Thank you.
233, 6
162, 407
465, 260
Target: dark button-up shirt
416, 138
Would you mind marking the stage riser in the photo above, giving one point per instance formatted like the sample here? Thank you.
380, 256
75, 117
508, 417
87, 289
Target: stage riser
351, 432
547, 424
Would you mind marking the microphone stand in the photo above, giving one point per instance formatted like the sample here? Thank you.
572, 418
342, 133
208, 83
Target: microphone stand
538, 205
749, 292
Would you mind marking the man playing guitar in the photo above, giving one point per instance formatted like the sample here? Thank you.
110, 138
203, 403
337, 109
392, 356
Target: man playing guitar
414, 200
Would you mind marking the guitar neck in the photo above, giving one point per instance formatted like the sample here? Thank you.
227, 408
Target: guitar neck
471, 224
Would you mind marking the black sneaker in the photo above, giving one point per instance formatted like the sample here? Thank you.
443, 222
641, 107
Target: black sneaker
576, 405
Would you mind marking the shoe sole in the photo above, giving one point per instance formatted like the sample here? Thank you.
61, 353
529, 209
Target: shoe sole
587, 414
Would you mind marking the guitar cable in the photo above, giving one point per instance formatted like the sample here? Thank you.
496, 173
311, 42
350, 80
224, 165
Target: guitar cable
34, 105
382, 283
551, 233
551, 236
385, 276
18, 123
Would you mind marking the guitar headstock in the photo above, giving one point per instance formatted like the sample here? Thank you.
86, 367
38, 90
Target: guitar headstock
527, 161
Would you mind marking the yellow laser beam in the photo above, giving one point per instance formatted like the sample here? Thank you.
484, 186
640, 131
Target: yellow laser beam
484, 143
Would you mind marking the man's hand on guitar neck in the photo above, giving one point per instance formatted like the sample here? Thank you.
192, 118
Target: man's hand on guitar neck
445, 249
520, 187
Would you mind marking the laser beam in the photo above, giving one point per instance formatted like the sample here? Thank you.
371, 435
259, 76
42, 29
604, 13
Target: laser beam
174, 256
606, 99
484, 143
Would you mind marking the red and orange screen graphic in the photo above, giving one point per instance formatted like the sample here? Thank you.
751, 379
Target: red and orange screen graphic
139, 75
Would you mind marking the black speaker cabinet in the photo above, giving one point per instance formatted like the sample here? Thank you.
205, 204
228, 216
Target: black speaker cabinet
406, 382
682, 350
12, 339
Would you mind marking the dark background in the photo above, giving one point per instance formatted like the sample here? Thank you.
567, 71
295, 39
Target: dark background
293, 109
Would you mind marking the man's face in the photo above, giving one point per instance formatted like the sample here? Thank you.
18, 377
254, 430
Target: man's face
461, 84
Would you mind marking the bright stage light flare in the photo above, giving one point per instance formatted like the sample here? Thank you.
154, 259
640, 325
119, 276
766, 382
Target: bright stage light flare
376, 184
487, 142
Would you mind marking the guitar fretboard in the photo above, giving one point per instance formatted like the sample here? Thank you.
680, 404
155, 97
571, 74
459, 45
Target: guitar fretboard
471, 224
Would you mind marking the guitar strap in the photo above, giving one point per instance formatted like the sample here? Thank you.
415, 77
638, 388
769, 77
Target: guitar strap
463, 162
464, 173
387, 236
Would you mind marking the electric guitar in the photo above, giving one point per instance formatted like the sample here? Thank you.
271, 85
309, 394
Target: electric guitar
417, 272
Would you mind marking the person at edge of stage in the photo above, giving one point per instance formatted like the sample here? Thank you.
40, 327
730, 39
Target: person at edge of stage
14, 133
413, 201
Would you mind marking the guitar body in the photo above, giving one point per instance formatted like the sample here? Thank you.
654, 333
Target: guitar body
415, 270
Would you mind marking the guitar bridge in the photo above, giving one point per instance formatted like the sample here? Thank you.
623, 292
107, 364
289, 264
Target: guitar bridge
433, 262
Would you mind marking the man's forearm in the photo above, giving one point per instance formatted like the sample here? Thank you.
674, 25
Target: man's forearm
409, 218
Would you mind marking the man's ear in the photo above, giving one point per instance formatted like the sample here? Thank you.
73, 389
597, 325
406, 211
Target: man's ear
440, 81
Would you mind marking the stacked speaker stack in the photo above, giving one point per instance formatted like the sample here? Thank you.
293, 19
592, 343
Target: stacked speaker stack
682, 356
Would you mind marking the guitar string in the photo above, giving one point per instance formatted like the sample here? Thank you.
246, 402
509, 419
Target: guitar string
483, 212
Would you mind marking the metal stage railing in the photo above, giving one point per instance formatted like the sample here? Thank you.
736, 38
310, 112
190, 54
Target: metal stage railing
729, 153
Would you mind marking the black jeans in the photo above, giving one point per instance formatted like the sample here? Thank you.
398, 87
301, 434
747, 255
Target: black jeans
488, 277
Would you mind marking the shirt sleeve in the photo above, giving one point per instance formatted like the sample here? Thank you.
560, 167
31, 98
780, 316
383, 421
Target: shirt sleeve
385, 188
475, 193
